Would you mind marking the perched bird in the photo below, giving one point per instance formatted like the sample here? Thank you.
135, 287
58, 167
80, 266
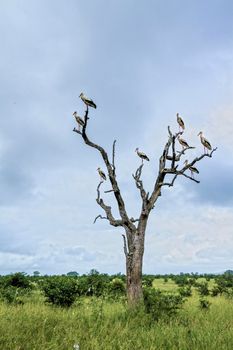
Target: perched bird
142, 155
101, 174
205, 142
79, 120
191, 168
183, 143
180, 122
87, 101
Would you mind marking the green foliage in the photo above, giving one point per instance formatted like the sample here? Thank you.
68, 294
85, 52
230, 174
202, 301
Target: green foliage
72, 273
18, 280
224, 281
147, 280
60, 290
202, 288
185, 291
204, 304
192, 281
228, 272
216, 290
160, 305
36, 273
94, 284
13, 288
181, 280
117, 287
105, 323
14, 295
229, 293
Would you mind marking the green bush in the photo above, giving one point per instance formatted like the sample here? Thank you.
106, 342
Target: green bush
185, 291
18, 280
160, 304
229, 293
13, 288
93, 284
204, 304
117, 287
203, 288
225, 281
60, 290
216, 290
181, 280
192, 281
147, 281
14, 295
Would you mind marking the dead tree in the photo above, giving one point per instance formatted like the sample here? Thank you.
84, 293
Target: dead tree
135, 228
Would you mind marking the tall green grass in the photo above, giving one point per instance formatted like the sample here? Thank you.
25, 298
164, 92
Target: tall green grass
97, 324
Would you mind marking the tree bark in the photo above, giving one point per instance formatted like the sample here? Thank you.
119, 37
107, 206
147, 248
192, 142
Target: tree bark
134, 261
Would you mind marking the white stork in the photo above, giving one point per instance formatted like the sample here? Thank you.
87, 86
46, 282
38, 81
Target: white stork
87, 101
180, 122
191, 168
101, 174
205, 142
183, 143
142, 155
79, 120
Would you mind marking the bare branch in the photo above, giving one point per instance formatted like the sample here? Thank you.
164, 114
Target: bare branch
111, 172
197, 159
125, 245
134, 220
190, 178
113, 155
100, 217
161, 175
169, 184
169, 131
78, 131
186, 167
173, 169
108, 191
107, 209
139, 185
173, 152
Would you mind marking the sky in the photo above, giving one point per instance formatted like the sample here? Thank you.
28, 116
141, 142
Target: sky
141, 62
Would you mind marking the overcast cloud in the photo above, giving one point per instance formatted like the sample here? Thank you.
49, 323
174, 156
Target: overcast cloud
142, 62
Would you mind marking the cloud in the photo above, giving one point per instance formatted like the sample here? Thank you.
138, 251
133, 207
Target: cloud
188, 238
141, 65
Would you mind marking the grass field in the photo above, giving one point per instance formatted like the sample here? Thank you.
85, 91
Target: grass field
96, 324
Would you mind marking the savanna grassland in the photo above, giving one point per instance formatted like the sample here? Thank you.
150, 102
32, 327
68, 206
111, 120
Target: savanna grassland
102, 322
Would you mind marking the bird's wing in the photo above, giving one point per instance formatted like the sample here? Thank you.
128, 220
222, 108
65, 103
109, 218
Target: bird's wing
207, 143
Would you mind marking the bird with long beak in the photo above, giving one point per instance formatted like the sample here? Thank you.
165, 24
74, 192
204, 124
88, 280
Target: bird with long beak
101, 174
180, 122
87, 101
79, 120
205, 142
191, 168
142, 155
183, 143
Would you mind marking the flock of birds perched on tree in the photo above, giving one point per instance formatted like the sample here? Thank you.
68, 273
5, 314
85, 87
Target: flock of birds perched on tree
207, 146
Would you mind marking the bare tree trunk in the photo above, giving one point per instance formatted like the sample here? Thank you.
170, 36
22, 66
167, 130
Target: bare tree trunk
134, 276
134, 262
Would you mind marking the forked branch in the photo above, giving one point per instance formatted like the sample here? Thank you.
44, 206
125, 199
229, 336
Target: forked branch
107, 209
173, 168
125, 221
